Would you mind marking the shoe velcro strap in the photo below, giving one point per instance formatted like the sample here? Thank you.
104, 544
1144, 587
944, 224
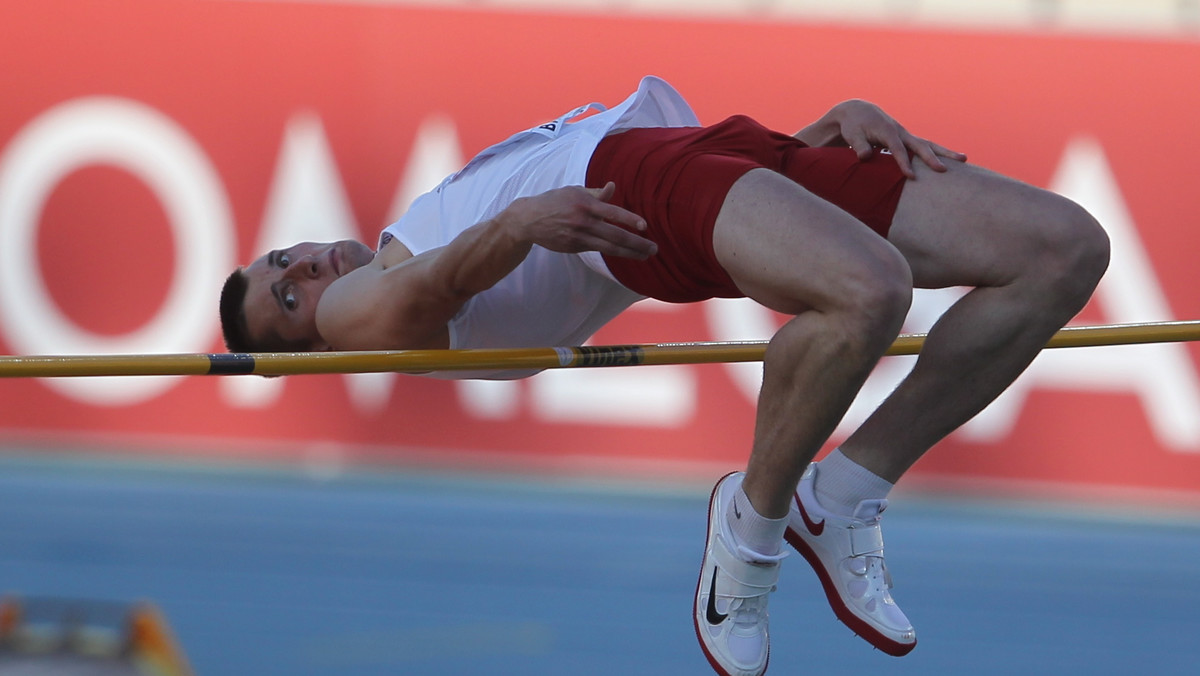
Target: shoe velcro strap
866, 540
758, 578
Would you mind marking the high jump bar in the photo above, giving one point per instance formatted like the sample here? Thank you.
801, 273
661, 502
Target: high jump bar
424, 361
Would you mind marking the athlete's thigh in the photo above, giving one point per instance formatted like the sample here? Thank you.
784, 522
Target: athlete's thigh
973, 227
793, 251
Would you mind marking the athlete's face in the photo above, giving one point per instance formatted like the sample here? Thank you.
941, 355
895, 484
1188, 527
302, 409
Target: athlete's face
285, 285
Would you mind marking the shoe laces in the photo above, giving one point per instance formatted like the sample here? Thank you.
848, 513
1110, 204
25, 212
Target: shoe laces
876, 567
744, 611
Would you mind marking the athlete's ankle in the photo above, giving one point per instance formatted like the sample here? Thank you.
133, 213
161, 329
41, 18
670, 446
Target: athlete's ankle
842, 483
752, 530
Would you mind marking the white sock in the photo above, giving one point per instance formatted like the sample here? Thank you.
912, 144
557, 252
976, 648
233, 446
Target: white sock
753, 530
842, 483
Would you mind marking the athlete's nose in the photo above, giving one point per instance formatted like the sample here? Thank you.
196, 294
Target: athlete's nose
303, 267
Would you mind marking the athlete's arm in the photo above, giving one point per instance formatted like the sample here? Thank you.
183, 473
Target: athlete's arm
862, 126
407, 304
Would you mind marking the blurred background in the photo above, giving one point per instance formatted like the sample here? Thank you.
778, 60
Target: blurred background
385, 524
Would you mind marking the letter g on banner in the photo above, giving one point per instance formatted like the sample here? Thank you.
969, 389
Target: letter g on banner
138, 139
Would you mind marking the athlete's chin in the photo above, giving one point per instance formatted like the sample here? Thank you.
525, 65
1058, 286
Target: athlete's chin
353, 254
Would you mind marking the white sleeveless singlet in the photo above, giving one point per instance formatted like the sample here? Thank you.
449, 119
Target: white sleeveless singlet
550, 299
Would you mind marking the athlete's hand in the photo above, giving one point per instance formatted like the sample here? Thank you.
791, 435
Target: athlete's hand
863, 126
575, 219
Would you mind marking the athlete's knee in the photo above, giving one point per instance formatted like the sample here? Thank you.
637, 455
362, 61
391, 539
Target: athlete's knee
1077, 250
1089, 245
876, 300
856, 315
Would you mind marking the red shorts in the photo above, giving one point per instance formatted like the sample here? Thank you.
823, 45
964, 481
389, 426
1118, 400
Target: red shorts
677, 178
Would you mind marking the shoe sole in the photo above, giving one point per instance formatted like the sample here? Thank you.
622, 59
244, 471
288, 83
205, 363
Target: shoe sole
712, 661
857, 624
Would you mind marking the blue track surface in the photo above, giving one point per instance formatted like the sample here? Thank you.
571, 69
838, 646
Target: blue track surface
276, 573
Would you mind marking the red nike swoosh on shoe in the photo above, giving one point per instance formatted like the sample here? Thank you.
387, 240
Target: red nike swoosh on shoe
815, 528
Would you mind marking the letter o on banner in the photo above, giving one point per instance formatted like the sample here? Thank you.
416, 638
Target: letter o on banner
136, 138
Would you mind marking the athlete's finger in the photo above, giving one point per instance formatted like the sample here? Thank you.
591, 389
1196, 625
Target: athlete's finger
858, 141
617, 241
611, 213
604, 194
608, 248
943, 151
899, 149
928, 155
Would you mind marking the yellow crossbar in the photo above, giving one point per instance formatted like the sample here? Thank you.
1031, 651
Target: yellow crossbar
422, 361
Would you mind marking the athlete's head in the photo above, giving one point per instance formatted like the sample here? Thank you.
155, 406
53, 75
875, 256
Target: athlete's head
271, 304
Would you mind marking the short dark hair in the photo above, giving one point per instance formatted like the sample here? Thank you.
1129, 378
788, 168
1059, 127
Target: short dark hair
233, 314
233, 321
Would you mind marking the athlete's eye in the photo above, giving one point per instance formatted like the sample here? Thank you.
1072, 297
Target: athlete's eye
289, 300
284, 261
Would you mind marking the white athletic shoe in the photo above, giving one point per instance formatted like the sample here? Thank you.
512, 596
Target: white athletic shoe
847, 554
730, 611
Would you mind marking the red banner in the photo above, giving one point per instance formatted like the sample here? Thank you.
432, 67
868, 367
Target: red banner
147, 147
